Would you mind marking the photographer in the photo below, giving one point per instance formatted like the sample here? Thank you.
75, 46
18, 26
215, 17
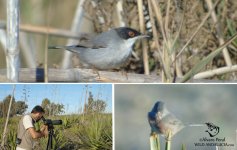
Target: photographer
26, 133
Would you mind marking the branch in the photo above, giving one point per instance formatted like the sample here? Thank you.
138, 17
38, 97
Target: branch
215, 72
88, 75
219, 33
46, 30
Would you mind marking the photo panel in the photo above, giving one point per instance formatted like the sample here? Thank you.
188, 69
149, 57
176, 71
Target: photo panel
194, 116
63, 116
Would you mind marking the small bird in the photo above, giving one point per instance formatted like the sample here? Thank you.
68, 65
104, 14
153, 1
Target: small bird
162, 121
108, 50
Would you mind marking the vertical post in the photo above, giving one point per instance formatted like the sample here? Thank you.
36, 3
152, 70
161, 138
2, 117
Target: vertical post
235, 138
85, 109
144, 43
12, 53
168, 140
76, 27
154, 141
119, 9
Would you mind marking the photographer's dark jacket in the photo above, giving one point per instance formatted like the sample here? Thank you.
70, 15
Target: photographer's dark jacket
27, 142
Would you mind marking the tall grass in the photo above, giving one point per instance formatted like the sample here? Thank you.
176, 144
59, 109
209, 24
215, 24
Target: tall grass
89, 131
99, 133
11, 140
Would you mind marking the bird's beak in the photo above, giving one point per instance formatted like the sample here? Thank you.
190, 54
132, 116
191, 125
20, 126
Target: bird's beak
143, 36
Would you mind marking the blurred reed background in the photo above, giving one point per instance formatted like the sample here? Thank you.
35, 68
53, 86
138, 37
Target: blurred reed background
56, 14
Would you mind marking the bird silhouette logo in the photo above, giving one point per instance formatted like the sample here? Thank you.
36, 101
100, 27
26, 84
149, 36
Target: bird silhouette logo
212, 130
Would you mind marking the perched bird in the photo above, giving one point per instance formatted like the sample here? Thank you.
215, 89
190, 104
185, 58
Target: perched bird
162, 121
108, 50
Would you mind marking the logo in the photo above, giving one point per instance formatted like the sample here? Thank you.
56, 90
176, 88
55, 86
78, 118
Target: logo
214, 140
212, 130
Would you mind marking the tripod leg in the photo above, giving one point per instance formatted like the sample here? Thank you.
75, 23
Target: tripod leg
50, 144
51, 139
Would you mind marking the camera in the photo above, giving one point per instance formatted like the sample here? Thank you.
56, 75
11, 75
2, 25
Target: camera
50, 122
18, 141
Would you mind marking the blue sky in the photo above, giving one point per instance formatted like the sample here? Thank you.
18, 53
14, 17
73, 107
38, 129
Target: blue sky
71, 95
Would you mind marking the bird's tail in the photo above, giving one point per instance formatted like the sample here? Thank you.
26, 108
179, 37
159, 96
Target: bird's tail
56, 47
69, 48
196, 125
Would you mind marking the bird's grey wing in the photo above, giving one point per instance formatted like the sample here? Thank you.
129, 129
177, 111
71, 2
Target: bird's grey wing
100, 41
79, 47
104, 39
91, 43
85, 42
173, 123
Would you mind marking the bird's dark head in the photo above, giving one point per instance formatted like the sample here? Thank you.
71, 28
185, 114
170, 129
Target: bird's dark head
158, 107
128, 33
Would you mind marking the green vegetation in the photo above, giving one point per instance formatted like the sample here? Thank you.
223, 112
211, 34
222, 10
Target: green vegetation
51, 108
94, 106
18, 107
11, 132
88, 131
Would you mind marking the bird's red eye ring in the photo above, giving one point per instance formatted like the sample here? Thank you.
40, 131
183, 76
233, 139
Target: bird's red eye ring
131, 34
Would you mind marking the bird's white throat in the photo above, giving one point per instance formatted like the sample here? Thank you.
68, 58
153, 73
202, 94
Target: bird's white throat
129, 42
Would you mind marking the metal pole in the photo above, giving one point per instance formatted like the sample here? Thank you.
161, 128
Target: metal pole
12, 53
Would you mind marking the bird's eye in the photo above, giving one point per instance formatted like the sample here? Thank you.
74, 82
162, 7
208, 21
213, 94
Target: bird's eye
131, 34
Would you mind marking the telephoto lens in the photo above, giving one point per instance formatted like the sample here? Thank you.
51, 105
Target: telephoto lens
50, 122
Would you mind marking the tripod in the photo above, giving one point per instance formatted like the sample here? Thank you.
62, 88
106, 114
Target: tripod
50, 139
